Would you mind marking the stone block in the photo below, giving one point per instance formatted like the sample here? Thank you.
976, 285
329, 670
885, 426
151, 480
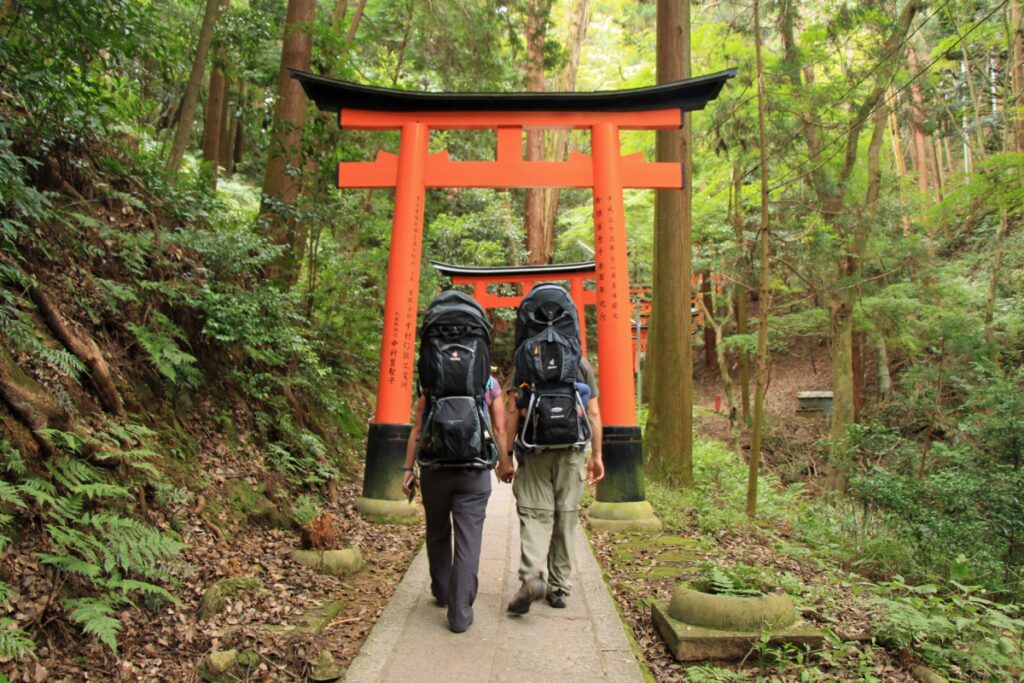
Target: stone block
215, 596
731, 612
614, 517
389, 511
689, 643
333, 562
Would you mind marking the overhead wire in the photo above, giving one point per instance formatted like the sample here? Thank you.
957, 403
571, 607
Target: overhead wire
884, 102
783, 147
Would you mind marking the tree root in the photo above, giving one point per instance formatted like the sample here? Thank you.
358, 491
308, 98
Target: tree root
84, 348
30, 402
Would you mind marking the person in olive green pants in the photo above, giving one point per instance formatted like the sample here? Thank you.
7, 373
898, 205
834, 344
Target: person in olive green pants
548, 486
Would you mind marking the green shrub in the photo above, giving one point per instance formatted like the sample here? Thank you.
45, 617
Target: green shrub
957, 630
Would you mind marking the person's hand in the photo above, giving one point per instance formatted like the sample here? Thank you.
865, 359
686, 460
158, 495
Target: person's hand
506, 470
407, 483
595, 470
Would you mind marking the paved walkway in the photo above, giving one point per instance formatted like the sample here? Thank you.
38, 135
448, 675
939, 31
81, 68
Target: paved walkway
584, 642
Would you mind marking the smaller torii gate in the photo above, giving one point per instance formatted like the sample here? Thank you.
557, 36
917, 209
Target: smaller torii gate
481, 279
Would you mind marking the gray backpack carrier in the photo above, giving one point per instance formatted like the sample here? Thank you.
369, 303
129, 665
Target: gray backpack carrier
547, 360
454, 366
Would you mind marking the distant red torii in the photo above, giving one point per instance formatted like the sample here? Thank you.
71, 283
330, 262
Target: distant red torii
480, 278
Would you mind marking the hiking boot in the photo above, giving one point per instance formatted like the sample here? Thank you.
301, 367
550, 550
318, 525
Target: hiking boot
556, 598
530, 591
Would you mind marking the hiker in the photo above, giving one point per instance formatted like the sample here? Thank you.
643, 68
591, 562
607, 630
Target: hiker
558, 418
456, 444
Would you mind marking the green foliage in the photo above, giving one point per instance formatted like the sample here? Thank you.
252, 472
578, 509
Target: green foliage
718, 498
730, 580
89, 536
14, 643
305, 509
162, 339
713, 674
22, 203
94, 616
958, 630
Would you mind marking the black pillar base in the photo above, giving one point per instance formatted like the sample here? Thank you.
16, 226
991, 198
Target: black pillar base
621, 505
623, 454
382, 479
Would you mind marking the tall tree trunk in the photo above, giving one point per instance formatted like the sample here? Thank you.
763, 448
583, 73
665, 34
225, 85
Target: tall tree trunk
761, 375
356, 18
917, 123
739, 291
718, 327
901, 163
191, 98
281, 188
831, 195
537, 244
858, 375
579, 21
238, 147
669, 436
227, 140
884, 376
709, 333
993, 284
842, 301
216, 110
1017, 70
338, 15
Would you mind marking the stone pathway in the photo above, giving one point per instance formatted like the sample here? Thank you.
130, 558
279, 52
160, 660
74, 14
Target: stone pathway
584, 642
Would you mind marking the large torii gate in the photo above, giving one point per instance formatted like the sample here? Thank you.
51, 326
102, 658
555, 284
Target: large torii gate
621, 502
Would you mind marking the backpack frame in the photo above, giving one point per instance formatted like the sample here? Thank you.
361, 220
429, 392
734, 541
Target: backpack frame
548, 357
454, 366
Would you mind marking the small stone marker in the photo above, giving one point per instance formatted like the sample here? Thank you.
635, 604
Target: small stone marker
814, 402
325, 668
216, 595
701, 626
333, 562
222, 666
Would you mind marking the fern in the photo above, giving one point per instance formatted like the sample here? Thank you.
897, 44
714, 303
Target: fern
70, 564
9, 495
724, 583
23, 337
93, 614
14, 643
11, 458
128, 586
160, 341
115, 293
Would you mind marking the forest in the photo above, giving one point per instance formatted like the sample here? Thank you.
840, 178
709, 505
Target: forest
191, 314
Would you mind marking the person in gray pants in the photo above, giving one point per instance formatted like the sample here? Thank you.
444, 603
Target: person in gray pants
455, 498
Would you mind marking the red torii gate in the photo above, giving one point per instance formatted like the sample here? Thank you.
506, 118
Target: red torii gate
621, 501
481, 278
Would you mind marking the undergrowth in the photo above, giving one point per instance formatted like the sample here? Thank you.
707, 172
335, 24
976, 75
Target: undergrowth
963, 630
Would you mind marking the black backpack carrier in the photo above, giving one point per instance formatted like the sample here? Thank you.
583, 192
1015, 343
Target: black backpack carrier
547, 357
454, 365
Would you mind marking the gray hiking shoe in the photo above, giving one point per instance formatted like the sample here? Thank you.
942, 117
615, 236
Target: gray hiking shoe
556, 598
531, 591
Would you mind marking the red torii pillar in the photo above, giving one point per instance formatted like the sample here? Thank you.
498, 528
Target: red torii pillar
621, 503
480, 279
